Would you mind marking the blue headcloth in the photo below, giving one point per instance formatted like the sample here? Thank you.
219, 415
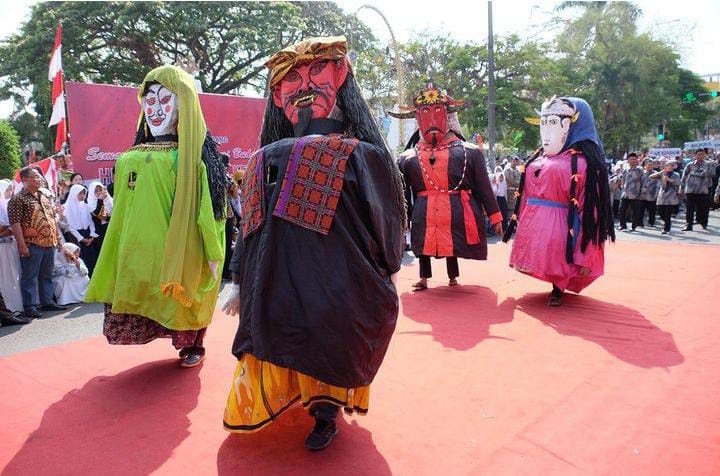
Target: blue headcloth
584, 127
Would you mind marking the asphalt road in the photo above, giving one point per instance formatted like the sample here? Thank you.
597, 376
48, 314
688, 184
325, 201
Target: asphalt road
85, 320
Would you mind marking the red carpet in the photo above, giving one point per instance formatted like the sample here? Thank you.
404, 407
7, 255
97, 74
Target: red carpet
480, 379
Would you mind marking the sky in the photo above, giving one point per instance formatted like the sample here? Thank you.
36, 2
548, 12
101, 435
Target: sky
692, 24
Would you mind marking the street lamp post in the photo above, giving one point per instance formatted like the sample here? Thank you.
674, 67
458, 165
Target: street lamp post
491, 88
398, 66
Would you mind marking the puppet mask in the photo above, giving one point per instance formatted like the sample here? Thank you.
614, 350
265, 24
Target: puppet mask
310, 90
433, 122
161, 112
556, 117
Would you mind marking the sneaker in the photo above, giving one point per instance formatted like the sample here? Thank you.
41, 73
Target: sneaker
322, 435
621, 228
555, 300
453, 282
420, 285
687, 228
191, 360
664, 232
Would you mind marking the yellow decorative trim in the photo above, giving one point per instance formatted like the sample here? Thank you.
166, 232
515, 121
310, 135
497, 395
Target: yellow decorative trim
155, 146
177, 292
534, 121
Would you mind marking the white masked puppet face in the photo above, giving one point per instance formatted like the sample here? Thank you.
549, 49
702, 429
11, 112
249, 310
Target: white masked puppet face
161, 112
556, 117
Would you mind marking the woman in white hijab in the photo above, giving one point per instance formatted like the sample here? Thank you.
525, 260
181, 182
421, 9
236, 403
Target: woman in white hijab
100, 204
9, 256
70, 275
81, 229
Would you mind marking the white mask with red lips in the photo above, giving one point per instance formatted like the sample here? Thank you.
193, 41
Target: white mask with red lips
556, 116
161, 111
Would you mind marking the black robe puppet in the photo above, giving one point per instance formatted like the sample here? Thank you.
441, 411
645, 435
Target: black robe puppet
448, 184
323, 218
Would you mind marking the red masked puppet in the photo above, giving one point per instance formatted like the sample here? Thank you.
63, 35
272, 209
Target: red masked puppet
321, 239
448, 186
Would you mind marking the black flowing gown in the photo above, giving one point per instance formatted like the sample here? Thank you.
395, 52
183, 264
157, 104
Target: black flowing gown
324, 305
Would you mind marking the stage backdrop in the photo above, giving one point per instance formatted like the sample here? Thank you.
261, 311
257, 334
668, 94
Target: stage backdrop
103, 119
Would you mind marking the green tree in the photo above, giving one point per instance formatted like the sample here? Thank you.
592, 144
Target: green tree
524, 76
693, 115
109, 42
10, 156
631, 80
27, 127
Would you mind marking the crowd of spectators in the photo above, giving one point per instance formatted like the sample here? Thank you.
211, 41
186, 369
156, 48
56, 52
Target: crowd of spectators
642, 188
48, 243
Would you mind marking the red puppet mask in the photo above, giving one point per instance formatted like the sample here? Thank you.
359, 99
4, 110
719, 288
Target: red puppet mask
431, 109
311, 85
433, 122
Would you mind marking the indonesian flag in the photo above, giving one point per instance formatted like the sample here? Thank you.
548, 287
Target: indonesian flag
55, 74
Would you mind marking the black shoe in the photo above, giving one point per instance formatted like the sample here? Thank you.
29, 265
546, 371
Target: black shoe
621, 228
664, 232
687, 228
556, 297
14, 320
322, 435
53, 307
32, 313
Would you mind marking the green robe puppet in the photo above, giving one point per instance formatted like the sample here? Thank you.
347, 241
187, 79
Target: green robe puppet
158, 268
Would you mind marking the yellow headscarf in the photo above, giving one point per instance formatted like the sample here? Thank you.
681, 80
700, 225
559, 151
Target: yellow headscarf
326, 47
184, 256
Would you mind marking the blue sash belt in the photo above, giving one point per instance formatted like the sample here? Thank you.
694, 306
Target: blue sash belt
549, 203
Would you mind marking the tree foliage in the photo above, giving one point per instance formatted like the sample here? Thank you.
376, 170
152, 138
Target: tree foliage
120, 42
632, 81
10, 156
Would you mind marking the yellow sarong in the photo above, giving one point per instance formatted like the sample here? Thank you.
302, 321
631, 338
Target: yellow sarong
261, 391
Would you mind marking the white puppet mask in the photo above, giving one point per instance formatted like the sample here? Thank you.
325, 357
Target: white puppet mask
161, 111
556, 117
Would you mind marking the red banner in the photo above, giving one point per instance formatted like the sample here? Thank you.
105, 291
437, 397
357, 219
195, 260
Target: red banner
103, 121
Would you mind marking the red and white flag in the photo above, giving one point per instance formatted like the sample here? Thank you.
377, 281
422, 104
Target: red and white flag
55, 74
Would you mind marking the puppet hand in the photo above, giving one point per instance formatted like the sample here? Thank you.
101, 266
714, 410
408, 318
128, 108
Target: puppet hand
497, 227
232, 305
213, 268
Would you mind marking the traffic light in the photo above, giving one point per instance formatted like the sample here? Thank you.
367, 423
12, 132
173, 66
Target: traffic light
661, 132
690, 97
713, 93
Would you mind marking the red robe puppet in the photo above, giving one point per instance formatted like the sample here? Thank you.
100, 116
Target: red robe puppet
448, 186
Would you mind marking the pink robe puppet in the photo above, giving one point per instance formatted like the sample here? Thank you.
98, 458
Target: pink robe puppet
557, 239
